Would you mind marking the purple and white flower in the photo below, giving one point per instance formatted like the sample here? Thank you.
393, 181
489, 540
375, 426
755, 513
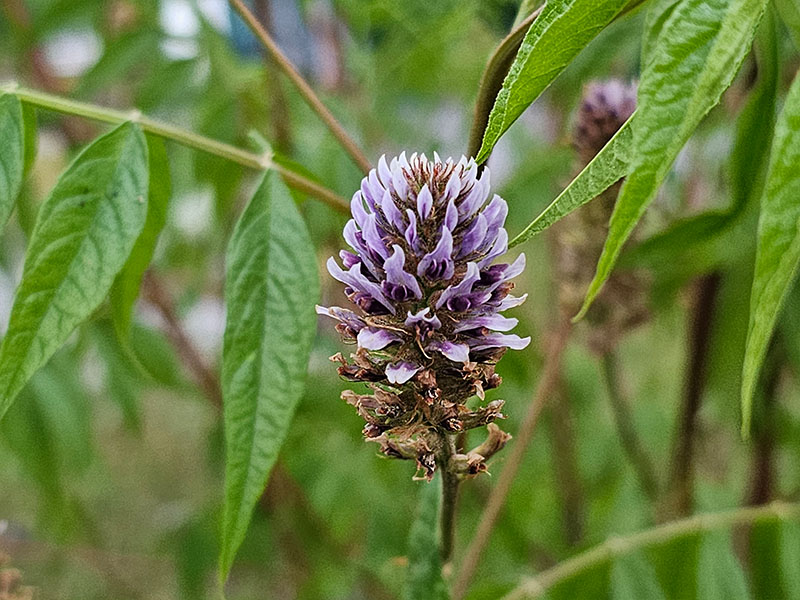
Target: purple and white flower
423, 240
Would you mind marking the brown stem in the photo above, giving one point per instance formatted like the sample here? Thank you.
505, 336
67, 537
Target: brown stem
763, 469
547, 384
682, 474
308, 94
631, 444
565, 462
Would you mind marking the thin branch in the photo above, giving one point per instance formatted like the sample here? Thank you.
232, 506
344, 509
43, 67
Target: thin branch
308, 94
682, 473
547, 384
565, 464
537, 587
492, 80
177, 134
631, 444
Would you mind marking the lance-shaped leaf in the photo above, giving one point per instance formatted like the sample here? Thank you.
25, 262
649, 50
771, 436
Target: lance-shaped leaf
12, 154
126, 287
83, 235
424, 580
271, 287
695, 58
559, 33
778, 253
610, 165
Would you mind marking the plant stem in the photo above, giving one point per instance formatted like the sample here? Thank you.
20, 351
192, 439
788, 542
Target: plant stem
565, 465
682, 474
492, 80
179, 135
547, 384
450, 483
537, 587
639, 459
308, 94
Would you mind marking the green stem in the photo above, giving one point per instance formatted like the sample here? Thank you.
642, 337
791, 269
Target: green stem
179, 135
450, 482
308, 94
537, 587
626, 430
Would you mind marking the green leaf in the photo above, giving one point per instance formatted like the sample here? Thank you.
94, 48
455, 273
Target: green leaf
83, 235
12, 156
720, 574
270, 289
778, 253
424, 580
789, 11
609, 166
658, 11
748, 165
633, 578
698, 53
559, 33
675, 563
126, 287
767, 579
31, 136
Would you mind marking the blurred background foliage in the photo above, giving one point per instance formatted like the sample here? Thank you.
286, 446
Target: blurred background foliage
110, 463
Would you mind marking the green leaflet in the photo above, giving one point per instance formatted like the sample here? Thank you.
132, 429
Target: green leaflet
609, 166
83, 235
12, 156
270, 289
709, 236
560, 32
720, 575
778, 252
424, 580
699, 51
633, 578
126, 286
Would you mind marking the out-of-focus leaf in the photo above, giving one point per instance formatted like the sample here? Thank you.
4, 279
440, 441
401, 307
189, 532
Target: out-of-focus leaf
156, 356
270, 290
789, 11
12, 154
767, 579
49, 431
696, 57
720, 575
559, 33
675, 563
126, 286
31, 135
123, 381
83, 235
609, 166
633, 578
594, 582
778, 253
746, 171
424, 580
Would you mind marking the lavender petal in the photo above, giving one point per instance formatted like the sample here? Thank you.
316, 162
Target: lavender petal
400, 372
438, 265
372, 338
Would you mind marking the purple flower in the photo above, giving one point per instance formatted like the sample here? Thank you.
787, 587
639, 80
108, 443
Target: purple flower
423, 239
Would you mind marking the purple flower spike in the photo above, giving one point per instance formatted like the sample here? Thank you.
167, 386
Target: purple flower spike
424, 237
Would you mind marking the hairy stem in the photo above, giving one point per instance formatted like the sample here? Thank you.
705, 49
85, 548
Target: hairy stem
631, 444
179, 135
308, 94
537, 587
682, 475
450, 483
547, 385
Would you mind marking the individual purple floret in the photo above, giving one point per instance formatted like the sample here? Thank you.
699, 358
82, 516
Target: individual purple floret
423, 238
